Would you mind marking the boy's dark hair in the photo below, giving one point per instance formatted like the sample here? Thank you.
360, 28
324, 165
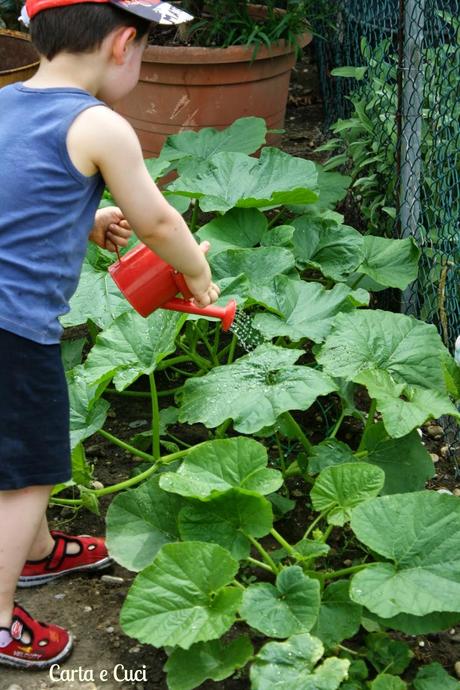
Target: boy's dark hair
80, 28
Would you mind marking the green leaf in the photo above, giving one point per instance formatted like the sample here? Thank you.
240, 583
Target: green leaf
332, 188
337, 250
340, 488
81, 471
215, 660
307, 309
387, 654
404, 407
223, 464
328, 453
245, 135
132, 346
393, 263
97, 297
291, 664
434, 677
405, 461
87, 411
419, 535
289, 607
385, 681
259, 266
227, 520
350, 72
156, 167
139, 522
375, 340
254, 391
418, 625
239, 227
234, 179
279, 236
339, 617
71, 352
183, 597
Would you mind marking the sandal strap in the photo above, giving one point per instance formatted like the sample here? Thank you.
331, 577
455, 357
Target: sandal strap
59, 552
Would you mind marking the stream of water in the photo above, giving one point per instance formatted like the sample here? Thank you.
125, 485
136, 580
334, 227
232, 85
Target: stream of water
248, 335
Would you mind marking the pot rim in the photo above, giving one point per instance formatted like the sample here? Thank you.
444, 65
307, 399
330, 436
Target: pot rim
238, 53
9, 33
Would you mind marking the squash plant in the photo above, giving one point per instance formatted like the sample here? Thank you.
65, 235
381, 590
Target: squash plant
221, 584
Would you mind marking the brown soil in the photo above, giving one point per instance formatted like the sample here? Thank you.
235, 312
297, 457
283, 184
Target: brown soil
90, 606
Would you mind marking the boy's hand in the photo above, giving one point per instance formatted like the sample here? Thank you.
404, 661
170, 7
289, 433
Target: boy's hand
110, 229
204, 291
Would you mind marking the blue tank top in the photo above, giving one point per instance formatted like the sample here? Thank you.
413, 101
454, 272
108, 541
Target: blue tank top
47, 209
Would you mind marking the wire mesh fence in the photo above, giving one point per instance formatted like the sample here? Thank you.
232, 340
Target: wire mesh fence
397, 117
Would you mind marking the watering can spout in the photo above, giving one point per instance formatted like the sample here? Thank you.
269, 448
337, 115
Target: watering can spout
225, 314
149, 283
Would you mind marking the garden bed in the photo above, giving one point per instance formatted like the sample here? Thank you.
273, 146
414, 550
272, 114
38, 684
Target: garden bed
90, 606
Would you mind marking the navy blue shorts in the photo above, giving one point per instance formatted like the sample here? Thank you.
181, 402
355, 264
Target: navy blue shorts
34, 414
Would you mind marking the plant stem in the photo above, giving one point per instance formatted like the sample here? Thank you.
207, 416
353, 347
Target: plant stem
68, 502
239, 585
333, 574
280, 453
194, 218
337, 424
275, 219
128, 394
357, 281
209, 347
142, 394
155, 418
172, 361
217, 333
131, 449
231, 351
221, 430
165, 460
195, 357
327, 532
281, 540
265, 555
299, 433
369, 423
259, 564
313, 524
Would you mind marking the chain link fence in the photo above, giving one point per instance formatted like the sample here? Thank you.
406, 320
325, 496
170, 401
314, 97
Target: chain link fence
397, 118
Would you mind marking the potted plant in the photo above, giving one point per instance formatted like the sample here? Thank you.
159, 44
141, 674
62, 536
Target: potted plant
232, 61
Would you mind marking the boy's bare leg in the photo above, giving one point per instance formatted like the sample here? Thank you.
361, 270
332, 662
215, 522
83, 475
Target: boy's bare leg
43, 543
21, 515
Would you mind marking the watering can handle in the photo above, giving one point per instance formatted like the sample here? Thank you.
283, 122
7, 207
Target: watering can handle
181, 284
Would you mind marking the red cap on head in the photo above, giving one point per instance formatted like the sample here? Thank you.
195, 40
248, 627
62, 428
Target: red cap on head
152, 10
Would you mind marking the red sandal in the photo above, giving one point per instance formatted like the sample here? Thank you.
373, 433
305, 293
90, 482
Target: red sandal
30, 644
92, 556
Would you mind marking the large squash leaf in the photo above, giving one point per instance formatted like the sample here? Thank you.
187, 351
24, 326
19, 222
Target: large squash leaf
419, 536
184, 597
254, 391
234, 179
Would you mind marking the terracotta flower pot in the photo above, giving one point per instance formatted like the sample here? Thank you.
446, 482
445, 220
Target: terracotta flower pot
189, 88
18, 58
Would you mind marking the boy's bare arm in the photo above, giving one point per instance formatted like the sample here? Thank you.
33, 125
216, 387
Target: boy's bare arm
101, 140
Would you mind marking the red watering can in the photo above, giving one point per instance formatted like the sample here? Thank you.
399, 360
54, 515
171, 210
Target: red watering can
149, 283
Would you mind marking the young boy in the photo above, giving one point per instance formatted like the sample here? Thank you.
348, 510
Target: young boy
60, 144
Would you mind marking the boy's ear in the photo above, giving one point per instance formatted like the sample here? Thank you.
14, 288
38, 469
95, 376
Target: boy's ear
123, 38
